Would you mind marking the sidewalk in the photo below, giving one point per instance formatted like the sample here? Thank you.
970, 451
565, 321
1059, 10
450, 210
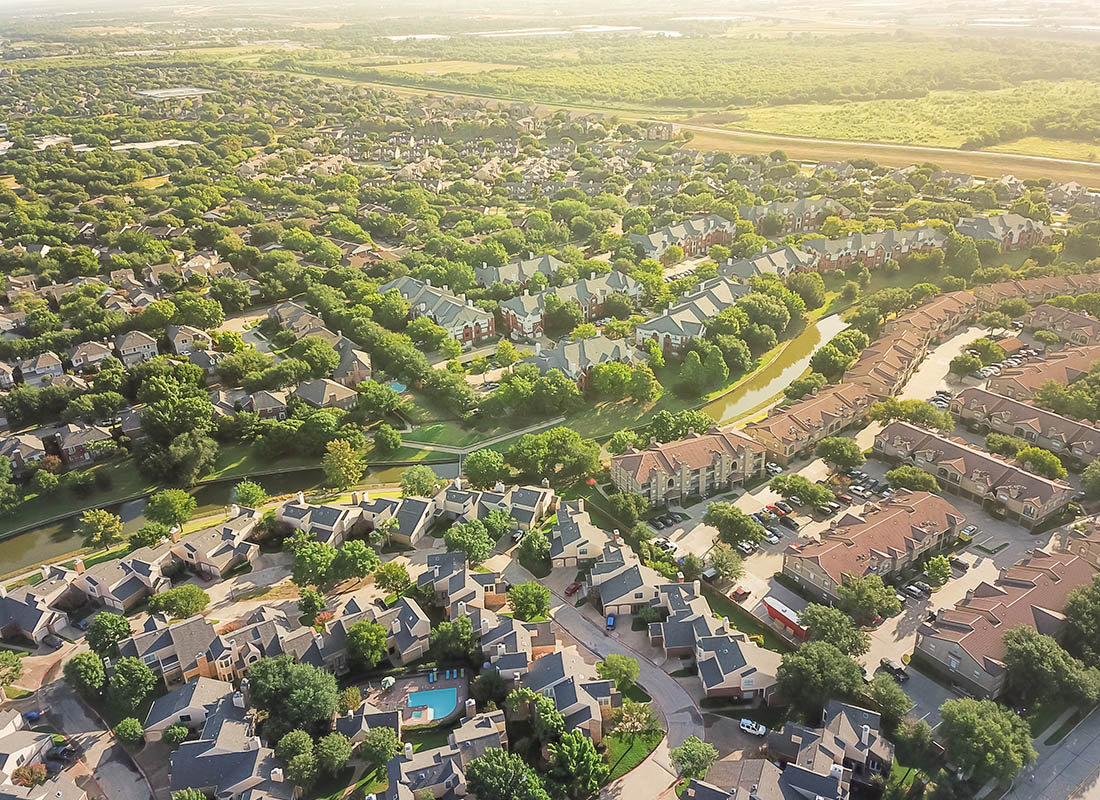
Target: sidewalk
1068, 770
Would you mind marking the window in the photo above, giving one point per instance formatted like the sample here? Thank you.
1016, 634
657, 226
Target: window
637, 595
185, 717
1029, 511
932, 646
952, 662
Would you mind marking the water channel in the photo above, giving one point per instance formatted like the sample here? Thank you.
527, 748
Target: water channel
50, 542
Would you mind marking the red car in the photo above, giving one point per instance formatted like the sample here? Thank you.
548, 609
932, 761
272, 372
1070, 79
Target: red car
776, 510
738, 594
572, 588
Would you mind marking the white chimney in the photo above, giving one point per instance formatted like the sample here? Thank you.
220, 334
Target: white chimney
254, 743
234, 510
276, 774
696, 587
355, 498
865, 734
538, 348
500, 650
408, 750
530, 255
836, 771
301, 498
462, 608
427, 281
679, 577
396, 626
471, 707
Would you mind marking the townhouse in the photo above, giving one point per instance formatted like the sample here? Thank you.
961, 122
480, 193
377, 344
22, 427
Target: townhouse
40, 369
695, 236
412, 516
987, 411
937, 318
135, 347
187, 705
1009, 231
1036, 290
619, 583
518, 271
873, 249
881, 539
1074, 327
19, 747
578, 693
1003, 488
887, 364
183, 339
686, 319
849, 737
799, 216
1064, 367
357, 723
700, 464
120, 584
576, 360
525, 505
326, 393
76, 442
782, 261
463, 321
213, 552
574, 540
792, 432
525, 315
88, 354
34, 612
760, 779
328, 523
965, 644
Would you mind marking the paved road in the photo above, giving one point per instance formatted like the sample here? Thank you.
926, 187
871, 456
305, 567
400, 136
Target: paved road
111, 766
1070, 771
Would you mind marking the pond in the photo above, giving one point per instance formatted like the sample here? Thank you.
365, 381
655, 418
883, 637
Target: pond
762, 386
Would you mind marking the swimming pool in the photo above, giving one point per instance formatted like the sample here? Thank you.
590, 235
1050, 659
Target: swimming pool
398, 386
441, 702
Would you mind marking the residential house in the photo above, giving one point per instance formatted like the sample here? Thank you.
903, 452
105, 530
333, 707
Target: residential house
987, 411
760, 779
39, 369
88, 354
781, 261
873, 249
269, 404
458, 589
694, 235
407, 633
119, 584
524, 316
1035, 290
517, 271
793, 431
887, 364
436, 772
882, 539
478, 733
578, 694
732, 666
213, 552
849, 737
937, 318
414, 515
574, 540
74, 441
1074, 327
20, 747
23, 450
1007, 489
187, 705
32, 612
576, 360
327, 522
525, 505
462, 320
135, 347
798, 216
699, 465
354, 366
1064, 367
1009, 231
686, 319
7, 376
183, 339
966, 643
355, 724
326, 393
620, 584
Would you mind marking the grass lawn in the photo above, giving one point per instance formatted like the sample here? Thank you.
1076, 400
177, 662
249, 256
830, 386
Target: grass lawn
427, 738
903, 776
637, 694
15, 693
540, 568
1043, 714
331, 787
743, 621
1064, 729
624, 755
685, 672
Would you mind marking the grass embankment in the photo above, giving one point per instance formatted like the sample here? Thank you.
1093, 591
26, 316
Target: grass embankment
743, 621
624, 754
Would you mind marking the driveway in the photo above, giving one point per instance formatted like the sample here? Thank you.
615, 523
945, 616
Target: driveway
110, 766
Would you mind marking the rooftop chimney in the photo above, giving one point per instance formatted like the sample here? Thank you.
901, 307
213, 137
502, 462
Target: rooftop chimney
276, 774
396, 626
301, 498
865, 734
408, 750
500, 650
471, 707
462, 608
234, 510
679, 577
696, 587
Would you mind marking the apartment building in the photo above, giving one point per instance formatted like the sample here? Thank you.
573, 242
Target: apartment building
1009, 231
1035, 290
793, 431
520, 271
1003, 488
887, 364
966, 643
938, 318
873, 249
695, 236
524, 316
464, 321
881, 538
686, 319
799, 216
576, 360
987, 411
1074, 327
781, 261
700, 464
1064, 367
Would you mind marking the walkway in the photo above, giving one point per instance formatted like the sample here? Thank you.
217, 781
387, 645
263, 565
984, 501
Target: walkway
1067, 771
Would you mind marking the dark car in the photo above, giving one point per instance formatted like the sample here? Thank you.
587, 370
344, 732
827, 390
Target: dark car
959, 564
657, 523
53, 641
895, 669
572, 588
786, 509
790, 523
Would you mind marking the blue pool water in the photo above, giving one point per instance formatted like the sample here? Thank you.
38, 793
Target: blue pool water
397, 386
442, 702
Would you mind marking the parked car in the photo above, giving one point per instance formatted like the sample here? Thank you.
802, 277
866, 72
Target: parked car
924, 587
753, 728
790, 523
901, 598
795, 500
748, 548
757, 518
517, 536
786, 509
50, 640
657, 524
739, 594
895, 669
611, 622
847, 499
776, 510
833, 506
572, 588
771, 538
959, 564
913, 591
970, 530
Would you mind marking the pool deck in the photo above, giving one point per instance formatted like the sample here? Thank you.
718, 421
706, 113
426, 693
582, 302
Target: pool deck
396, 698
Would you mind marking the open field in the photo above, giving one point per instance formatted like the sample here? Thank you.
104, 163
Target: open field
446, 67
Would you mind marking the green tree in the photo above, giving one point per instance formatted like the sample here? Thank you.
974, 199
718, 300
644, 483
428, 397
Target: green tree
964, 364
988, 351
85, 673
810, 287
1040, 668
938, 570
333, 752
726, 562
393, 576
175, 735
732, 524
188, 794
500, 775
100, 528
694, 757
917, 412
864, 598
293, 694
893, 704
832, 625
529, 600
985, 739
130, 683
249, 494
483, 468
576, 765
818, 672
830, 361
312, 563
995, 320
293, 743
150, 534
619, 668
628, 507
912, 478
310, 601
418, 481
379, 746
171, 507
693, 377
535, 546
129, 730
813, 494
181, 602
1090, 480
506, 354
367, 643
350, 698
11, 667
471, 538
634, 721
354, 559
1082, 631
453, 640
105, 632
302, 769
839, 453
1042, 462
342, 464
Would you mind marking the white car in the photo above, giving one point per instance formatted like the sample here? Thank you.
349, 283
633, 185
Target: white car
753, 728
771, 538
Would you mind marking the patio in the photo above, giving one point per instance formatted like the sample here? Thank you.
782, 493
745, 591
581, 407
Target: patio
420, 699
